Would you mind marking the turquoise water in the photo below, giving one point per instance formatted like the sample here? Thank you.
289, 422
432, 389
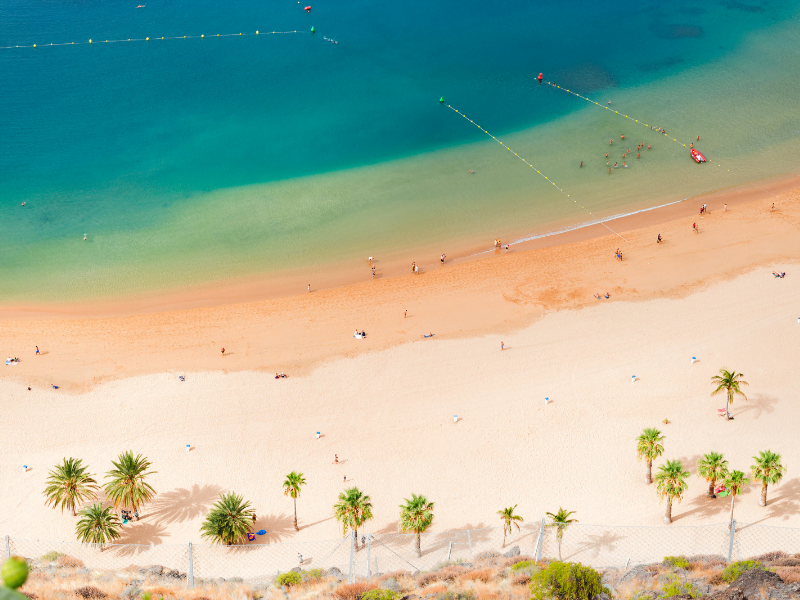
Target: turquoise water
196, 160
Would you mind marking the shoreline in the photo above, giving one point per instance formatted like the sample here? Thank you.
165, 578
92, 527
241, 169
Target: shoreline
267, 286
468, 299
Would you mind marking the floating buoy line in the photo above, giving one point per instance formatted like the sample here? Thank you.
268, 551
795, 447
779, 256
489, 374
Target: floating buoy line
538, 172
148, 39
616, 112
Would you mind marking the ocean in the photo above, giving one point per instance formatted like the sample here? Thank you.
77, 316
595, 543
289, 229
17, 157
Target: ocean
187, 161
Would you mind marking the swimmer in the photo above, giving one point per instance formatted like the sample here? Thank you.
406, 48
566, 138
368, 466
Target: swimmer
698, 138
581, 163
609, 170
622, 136
625, 165
638, 155
609, 101
623, 155
471, 172
606, 154
610, 142
615, 165
691, 145
23, 204
84, 237
141, 6
648, 146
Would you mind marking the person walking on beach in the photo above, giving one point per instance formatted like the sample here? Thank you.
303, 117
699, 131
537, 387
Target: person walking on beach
725, 209
335, 459
309, 287
405, 313
442, 258
300, 558
37, 350
223, 352
658, 241
694, 227
502, 346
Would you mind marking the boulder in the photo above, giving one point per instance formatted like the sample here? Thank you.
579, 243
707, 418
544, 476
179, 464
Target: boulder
513, 552
601, 597
175, 574
156, 570
334, 572
130, 592
90, 593
757, 584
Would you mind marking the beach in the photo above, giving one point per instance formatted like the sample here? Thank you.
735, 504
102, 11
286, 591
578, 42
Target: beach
385, 404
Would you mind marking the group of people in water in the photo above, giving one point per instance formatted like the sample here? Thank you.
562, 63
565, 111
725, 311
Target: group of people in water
625, 154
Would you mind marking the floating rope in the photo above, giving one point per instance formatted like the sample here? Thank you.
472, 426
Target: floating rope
616, 112
535, 169
147, 39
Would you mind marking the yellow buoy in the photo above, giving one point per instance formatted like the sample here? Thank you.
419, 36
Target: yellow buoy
184, 37
256, 31
202, 35
146, 39
34, 45
90, 41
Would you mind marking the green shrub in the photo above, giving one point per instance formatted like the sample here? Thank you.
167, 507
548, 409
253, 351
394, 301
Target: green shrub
735, 569
675, 588
567, 581
379, 594
524, 564
52, 556
676, 561
289, 579
313, 575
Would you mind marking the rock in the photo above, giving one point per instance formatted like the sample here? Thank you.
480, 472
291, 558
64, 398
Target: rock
757, 584
391, 584
410, 597
334, 572
295, 570
90, 592
601, 597
679, 597
641, 573
175, 574
156, 570
513, 552
130, 592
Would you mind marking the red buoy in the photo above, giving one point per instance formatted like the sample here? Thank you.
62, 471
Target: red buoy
540, 78
308, 9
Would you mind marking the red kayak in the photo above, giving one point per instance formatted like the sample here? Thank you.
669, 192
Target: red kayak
698, 158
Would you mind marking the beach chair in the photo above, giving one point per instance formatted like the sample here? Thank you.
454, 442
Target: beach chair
722, 412
251, 537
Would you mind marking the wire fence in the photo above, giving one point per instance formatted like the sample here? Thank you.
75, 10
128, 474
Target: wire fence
600, 546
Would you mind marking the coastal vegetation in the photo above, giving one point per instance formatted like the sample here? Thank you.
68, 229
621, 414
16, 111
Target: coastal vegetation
291, 487
728, 382
712, 467
416, 515
228, 521
671, 484
561, 520
567, 581
69, 484
509, 518
768, 470
127, 486
97, 525
649, 448
353, 509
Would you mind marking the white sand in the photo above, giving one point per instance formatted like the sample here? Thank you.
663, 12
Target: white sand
389, 417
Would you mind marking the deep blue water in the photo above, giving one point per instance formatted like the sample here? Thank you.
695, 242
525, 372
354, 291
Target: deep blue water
103, 137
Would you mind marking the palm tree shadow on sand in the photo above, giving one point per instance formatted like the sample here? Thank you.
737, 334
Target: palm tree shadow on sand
782, 501
182, 504
605, 542
277, 526
140, 537
717, 508
757, 405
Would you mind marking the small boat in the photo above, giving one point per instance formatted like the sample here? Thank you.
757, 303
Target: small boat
698, 158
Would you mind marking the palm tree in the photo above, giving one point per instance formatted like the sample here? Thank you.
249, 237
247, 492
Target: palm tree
728, 382
416, 515
649, 447
767, 469
509, 519
735, 482
127, 486
671, 483
291, 487
353, 510
69, 484
712, 467
561, 520
97, 525
228, 521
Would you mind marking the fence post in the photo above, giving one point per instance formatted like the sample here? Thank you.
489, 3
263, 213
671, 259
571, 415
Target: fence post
469, 539
351, 575
449, 550
8, 548
369, 549
190, 574
730, 543
541, 542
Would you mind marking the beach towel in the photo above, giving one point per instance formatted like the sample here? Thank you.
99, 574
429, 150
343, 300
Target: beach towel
262, 532
251, 537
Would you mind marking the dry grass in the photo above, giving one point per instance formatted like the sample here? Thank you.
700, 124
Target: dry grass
789, 574
789, 561
435, 589
521, 579
353, 591
68, 561
482, 575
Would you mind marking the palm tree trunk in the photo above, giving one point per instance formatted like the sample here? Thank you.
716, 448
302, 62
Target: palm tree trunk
727, 410
649, 478
733, 497
711, 485
668, 514
763, 501
504, 537
296, 528
355, 541
419, 541
559, 547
